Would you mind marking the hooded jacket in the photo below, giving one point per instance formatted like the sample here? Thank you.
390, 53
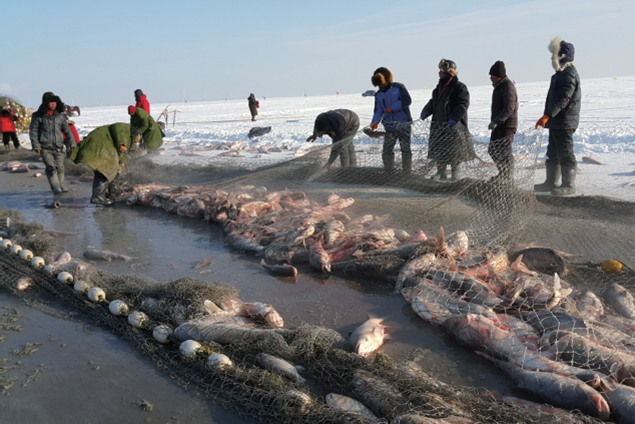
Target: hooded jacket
143, 103
148, 128
505, 104
564, 98
100, 149
395, 96
7, 120
46, 130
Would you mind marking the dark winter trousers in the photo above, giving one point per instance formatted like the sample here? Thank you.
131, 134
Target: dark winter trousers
500, 145
401, 133
6, 136
345, 149
560, 148
99, 180
54, 162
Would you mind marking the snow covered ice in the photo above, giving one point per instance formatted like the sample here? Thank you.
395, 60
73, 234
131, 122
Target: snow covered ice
607, 127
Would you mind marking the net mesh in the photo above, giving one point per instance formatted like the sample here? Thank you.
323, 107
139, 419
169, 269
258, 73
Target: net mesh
554, 316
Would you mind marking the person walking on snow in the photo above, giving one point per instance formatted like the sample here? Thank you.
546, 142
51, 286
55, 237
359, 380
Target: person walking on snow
45, 131
253, 106
504, 121
341, 125
146, 127
449, 144
392, 108
7, 127
561, 117
141, 100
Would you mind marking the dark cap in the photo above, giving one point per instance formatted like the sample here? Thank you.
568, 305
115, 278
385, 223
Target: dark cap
498, 69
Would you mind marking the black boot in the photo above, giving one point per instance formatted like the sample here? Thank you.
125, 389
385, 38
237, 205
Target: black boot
456, 172
99, 196
553, 176
568, 181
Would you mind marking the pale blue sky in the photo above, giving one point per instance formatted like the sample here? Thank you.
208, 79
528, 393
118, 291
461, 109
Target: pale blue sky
92, 53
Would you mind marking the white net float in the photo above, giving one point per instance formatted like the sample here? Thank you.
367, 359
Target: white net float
118, 308
27, 255
65, 277
189, 348
96, 295
137, 318
16, 249
162, 333
38, 262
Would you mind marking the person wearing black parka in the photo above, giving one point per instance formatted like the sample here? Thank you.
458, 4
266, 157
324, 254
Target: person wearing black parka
561, 117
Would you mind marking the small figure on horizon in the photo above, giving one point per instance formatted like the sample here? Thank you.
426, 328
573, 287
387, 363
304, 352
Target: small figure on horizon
392, 108
7, 127
253, 106
141, 100
504, 121
341, 125
449, 144
47, 125
561, 117
146, 126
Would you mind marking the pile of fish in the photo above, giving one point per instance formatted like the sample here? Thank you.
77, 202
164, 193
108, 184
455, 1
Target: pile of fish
18, 167
512, 306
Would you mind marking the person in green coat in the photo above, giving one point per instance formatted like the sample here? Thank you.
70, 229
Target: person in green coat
147, 127
104, 151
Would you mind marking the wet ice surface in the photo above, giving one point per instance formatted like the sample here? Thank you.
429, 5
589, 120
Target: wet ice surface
167, 247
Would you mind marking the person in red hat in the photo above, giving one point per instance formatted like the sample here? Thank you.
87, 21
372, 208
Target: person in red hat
7, 127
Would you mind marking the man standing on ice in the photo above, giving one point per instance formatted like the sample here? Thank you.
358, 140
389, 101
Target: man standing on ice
341, 125
561, 117
253, 106
392, 108
504, 121
45, 131
141, 100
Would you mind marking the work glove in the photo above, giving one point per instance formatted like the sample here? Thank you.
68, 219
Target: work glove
451, 123
491, 126
311, 138
373, 126
388, 109
123, 148
423, 116
137, 138
37, 151
542, 121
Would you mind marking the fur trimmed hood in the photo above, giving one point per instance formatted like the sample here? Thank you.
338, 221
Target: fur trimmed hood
381, 76
562, 54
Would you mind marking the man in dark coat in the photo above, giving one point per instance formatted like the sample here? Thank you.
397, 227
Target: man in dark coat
449, 144
561, 117
253, 106
146, 127
45, 131
504, 121
392, 108
104, 151
341, 125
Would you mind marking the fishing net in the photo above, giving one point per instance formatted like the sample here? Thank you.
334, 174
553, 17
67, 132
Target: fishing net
526, 308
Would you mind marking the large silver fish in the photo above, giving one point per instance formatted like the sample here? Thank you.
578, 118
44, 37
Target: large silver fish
589, 305
224, 333
621, 399
344, 403
279, 366
368, 336
106, 255
383, 398
621, 300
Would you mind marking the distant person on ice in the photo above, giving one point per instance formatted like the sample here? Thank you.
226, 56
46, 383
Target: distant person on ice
341, 125
7, 127
392, 108
104, 151
561, 117
145, 126
141, 100
504, 121
253, 106
45, 131
449, 145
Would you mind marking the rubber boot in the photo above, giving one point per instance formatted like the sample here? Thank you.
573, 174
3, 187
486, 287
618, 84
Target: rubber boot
60, 178
111, 191
406, 162
553, 176
99, 195
456, 172
505, 172
442, 173
568, 181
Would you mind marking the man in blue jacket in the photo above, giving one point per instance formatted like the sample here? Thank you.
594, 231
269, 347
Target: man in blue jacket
45, 131
561, 117
392, 108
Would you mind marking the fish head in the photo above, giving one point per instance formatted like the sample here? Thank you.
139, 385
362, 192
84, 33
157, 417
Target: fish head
366, 344
274, 318
602, 406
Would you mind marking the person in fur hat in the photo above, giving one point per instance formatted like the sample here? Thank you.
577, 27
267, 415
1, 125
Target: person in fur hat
504, 121
47, 125
561, 117
449, 144
341, 125
392, 108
